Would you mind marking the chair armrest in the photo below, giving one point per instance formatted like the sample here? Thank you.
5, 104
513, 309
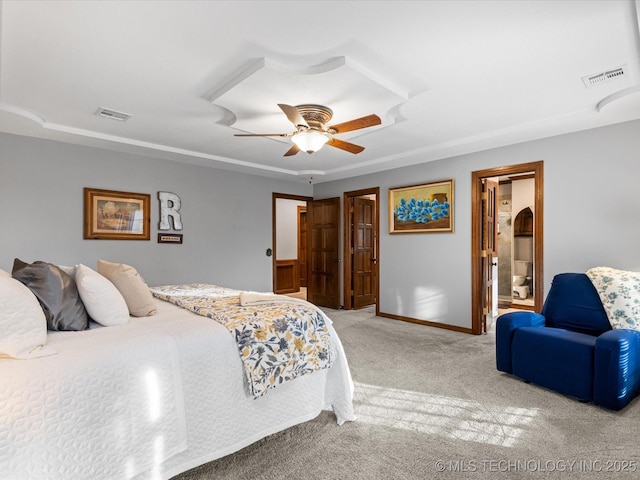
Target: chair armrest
616, 368
505, 326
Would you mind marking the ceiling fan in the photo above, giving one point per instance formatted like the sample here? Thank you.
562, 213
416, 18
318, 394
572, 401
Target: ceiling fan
311, 130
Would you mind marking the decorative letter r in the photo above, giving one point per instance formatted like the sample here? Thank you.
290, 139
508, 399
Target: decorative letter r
169, 206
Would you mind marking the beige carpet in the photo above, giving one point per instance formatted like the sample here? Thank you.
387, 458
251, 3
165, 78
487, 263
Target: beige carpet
431, 405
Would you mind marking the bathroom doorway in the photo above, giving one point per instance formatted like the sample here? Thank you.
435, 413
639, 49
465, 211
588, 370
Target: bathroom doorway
516, 253
488, 282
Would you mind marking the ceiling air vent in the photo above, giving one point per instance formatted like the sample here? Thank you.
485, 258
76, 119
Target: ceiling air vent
604, 77
112, 114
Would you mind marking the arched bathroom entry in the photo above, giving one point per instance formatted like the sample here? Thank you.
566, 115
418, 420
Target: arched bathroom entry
516, 246
523, 258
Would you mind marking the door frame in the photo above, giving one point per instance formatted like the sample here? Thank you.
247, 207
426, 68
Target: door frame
274, 197
476, 235
346, 241
300, 211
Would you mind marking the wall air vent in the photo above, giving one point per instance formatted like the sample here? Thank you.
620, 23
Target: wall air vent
604, 77
112, 114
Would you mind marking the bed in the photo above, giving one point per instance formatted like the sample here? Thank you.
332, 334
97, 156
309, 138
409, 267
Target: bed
149, 398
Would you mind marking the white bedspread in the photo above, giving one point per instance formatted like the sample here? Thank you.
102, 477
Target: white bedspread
149, 399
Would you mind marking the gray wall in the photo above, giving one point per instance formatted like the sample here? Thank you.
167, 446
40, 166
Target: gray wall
591, 216
591, 209
226, 216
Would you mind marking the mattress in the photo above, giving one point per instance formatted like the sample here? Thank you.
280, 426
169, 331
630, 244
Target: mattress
147, 400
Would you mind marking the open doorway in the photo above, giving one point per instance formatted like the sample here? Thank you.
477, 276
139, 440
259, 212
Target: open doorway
361, 248
319, 256
485, 243
289, 244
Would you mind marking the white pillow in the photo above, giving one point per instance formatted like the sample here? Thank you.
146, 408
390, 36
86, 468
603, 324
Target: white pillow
101, 298
23, 326
131, 285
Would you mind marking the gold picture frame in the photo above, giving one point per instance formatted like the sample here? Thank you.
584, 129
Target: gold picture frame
426, 208
113, 215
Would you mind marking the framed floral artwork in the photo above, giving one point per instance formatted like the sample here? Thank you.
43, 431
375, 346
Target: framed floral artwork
426, 208
112, 215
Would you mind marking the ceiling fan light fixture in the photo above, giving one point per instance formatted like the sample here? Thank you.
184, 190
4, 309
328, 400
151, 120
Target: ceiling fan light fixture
309, 140
311, 133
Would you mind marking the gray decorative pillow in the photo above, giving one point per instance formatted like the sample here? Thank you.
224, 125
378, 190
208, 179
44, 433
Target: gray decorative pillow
57, 293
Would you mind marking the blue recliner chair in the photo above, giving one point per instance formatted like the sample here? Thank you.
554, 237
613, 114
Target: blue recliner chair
570, 347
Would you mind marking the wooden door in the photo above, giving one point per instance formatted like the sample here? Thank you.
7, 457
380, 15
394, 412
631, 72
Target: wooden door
489, 245
363, 252
302, 245
323, 221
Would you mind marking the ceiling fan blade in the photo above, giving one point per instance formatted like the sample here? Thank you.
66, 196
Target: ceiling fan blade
346, 146
292, 151
293, 115
262, 135
357, 124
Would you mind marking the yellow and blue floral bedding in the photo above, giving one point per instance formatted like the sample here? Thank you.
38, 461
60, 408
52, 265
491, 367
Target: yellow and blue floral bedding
277, 342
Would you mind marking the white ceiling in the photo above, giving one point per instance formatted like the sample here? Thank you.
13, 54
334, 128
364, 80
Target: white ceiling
446, 77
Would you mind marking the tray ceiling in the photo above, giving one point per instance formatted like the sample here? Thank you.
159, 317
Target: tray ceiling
445, 77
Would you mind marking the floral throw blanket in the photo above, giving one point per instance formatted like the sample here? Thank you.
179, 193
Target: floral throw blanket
277, 341
619, 292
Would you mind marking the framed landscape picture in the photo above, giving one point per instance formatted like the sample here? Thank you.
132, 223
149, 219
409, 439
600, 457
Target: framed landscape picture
112, 215
426, 208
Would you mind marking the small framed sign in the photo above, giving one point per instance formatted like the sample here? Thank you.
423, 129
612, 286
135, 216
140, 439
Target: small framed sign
170, 238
